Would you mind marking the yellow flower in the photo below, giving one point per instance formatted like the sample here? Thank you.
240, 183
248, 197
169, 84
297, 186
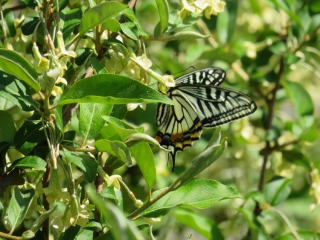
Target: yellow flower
62, 49
42, 62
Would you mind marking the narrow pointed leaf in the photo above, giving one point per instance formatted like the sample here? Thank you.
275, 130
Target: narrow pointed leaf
120, 226
18, 206
198, 193
13, 63
163, 10
91, 122
98, 14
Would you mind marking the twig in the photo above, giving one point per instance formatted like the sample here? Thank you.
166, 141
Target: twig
270, 104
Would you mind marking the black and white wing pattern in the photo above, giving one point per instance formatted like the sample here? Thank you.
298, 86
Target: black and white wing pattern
198, 102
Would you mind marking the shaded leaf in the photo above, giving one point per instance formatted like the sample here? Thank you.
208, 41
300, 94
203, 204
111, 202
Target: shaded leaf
28, 136
7, 128
16, 92
115, 148
198, 222
18, 206
87, 164
120, 227
34, 162
277, 191
298, 95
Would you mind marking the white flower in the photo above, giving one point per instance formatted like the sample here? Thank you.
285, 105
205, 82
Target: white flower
209, 7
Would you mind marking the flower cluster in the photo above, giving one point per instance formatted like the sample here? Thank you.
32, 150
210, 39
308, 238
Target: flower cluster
209, 7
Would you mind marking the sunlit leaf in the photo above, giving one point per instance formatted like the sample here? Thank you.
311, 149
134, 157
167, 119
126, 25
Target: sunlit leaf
111, 89
98, 14
198, 193
13, 63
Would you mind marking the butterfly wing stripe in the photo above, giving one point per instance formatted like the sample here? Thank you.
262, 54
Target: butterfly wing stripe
162, 113
207, 76
181, 123
216, 106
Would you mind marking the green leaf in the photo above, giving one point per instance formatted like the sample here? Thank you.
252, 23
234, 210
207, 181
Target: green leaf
9, 26
311, 133
28, 136
40, 220
13, 63
286, 7
112, 89
300, 98
129, 29
198, 222
295, 156
16, 92
7, 128
184, 35
91, 122
277, 191
115, 148
120, 227
213, 151
72, 19
114, 132
144, 157
163, 9
112, 25
98, 14
29, 25
34, 162
87, 164
18, 206
198, 193
304, 234
141, 137
114, 194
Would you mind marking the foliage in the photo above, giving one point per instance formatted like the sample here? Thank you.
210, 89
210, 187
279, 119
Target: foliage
78, 162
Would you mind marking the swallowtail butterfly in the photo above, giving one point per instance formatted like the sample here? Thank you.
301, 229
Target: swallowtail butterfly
198, 102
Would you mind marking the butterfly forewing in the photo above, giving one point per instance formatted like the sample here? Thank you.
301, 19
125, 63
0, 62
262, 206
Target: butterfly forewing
198, 102
207, 76
216, 106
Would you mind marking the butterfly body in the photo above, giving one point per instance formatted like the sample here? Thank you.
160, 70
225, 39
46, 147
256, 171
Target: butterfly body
198, 102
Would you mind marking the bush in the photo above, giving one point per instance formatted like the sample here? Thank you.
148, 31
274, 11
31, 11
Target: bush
78, 115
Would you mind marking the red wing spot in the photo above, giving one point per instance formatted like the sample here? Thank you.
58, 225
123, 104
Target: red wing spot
158, 138
175, 137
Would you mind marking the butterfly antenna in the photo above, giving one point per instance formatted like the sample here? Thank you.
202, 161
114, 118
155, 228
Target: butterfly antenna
182, 71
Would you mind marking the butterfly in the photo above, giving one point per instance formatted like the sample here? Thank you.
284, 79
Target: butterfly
198, 102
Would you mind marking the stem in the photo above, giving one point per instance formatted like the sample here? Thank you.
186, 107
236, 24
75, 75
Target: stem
287, 222
45, 184
136, 214
270, 105
8, 236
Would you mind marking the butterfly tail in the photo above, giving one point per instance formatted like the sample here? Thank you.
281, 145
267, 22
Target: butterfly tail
172, 155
